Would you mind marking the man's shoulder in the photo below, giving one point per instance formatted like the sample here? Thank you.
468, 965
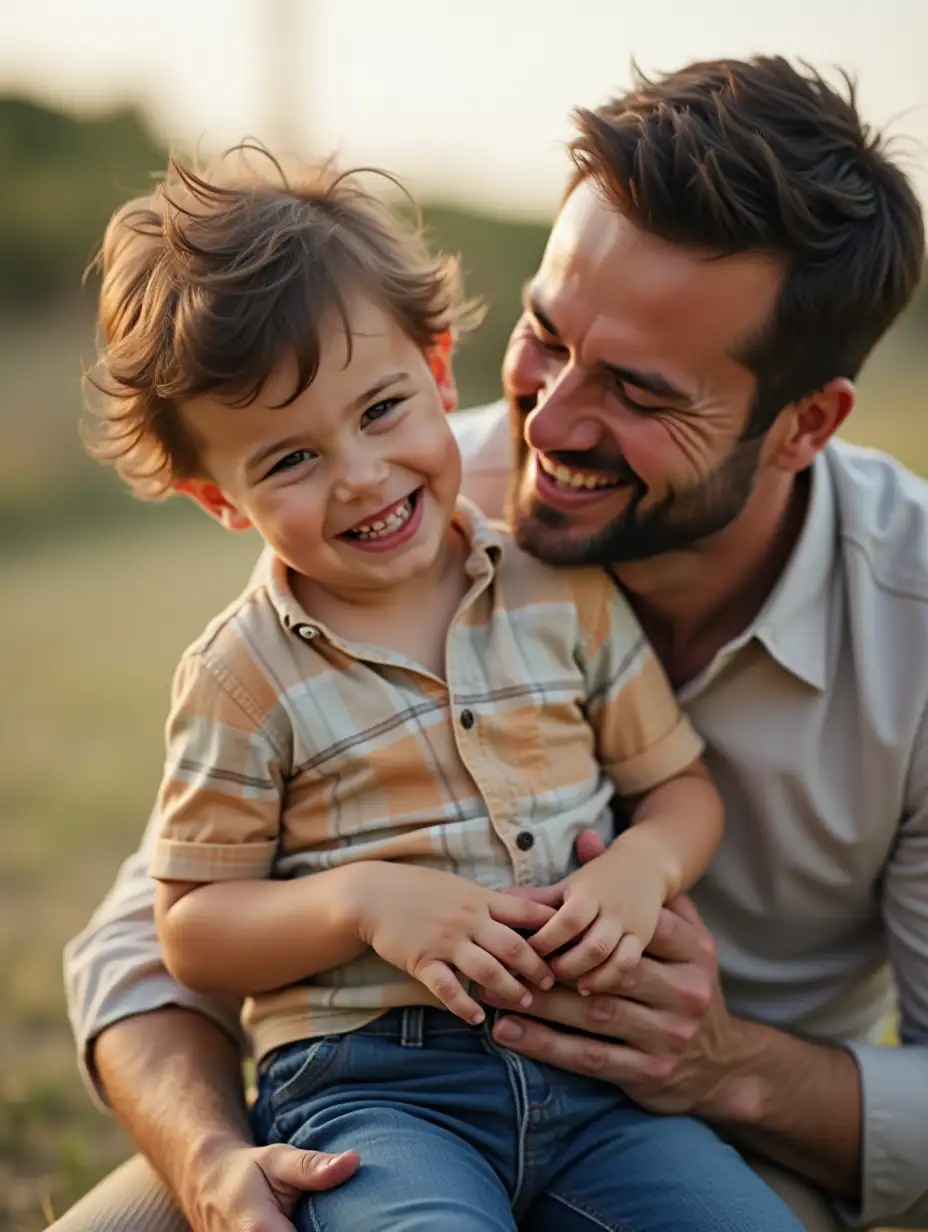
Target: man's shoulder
882, 509
485, 441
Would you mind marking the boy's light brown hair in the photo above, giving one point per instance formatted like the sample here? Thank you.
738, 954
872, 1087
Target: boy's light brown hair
212, 280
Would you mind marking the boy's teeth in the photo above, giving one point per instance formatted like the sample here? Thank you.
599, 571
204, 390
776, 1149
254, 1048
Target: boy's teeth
400, 514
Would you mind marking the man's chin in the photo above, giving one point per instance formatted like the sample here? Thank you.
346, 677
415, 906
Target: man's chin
552, 540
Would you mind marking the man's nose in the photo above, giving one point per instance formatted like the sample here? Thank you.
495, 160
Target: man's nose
561, 422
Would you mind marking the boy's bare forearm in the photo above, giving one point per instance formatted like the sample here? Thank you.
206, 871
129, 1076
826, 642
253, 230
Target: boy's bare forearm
246, 937
679, 826
143, 1062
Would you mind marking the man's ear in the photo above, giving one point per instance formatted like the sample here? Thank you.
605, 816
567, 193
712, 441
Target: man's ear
210, 498
806, 427
439, 357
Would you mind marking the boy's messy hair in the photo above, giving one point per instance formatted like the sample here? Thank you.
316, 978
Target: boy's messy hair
211, 280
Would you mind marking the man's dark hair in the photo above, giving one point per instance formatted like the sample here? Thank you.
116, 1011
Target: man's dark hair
731, 156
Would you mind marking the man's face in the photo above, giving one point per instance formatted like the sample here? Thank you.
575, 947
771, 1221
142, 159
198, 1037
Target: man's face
623, 379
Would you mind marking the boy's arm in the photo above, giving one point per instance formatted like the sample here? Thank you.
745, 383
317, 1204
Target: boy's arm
677, 826
246, 937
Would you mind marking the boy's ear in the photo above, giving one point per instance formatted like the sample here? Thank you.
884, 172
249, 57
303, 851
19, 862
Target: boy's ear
210, 498
439, 357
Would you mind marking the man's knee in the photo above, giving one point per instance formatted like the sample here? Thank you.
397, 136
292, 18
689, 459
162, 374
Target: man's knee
131, 1199
807, 1203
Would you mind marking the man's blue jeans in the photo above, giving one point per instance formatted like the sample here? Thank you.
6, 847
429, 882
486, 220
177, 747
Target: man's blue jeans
459, 1135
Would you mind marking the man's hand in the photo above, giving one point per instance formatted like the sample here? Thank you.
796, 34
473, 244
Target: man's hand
675, 1042
243, 1189
437, 926
670, 1042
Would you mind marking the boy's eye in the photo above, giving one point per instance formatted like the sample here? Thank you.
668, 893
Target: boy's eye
296, 458
379, 410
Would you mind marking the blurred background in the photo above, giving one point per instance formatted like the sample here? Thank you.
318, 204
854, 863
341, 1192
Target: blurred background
98, 593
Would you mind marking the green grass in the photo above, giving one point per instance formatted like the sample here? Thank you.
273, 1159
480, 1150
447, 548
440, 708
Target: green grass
99, 595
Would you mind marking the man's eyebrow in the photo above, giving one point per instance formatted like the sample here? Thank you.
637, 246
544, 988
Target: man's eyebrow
653, 383
531, 303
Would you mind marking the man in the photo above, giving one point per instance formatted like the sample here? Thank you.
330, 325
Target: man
732, 245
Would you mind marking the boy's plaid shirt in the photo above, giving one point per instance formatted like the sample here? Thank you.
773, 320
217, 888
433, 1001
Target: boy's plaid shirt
290, 751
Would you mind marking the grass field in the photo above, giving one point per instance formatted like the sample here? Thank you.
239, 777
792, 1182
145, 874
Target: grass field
93, 615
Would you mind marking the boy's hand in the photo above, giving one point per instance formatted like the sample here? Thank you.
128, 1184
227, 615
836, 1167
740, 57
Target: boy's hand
615, 902
434, 924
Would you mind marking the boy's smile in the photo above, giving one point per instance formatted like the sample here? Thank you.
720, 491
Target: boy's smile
352, 483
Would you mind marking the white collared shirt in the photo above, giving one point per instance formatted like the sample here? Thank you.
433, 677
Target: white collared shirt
815, 725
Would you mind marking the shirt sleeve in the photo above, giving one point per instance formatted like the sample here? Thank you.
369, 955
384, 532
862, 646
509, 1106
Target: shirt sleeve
113, 968
220, 800
895, 1080
642, 736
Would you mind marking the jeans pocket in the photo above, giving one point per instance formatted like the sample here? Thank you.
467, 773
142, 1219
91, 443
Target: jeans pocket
297, 1073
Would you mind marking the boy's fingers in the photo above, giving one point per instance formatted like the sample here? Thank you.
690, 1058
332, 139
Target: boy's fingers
441, 981
610, 977
592, 950
476, 964
549, 896
520, 912
573, 918
514, 952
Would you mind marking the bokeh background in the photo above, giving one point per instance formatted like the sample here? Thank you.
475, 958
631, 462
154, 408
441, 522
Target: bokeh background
98, 593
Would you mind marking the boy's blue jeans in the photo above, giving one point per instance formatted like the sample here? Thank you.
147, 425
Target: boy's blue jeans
457, 1134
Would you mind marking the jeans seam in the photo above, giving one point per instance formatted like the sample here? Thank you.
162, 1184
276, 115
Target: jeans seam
519, 1088
587, 1212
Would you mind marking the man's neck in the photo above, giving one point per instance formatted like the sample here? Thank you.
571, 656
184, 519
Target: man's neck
693, 603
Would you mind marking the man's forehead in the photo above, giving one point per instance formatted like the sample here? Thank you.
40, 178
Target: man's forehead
599, 267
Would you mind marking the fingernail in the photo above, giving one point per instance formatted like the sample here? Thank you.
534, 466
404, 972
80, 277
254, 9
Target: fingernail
584, 992
509, 1031
526, 1001
477, 1019
546, 983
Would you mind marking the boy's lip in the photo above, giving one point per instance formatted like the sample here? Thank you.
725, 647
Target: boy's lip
394, 539
379, 515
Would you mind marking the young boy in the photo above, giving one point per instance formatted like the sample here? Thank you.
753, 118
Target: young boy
402, 715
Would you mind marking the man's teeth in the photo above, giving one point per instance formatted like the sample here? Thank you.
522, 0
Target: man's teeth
398, 516
569, 478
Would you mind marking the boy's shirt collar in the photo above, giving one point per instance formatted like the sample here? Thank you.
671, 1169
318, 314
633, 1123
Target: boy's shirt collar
486, 542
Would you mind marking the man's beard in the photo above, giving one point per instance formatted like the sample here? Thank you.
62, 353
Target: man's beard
677, 522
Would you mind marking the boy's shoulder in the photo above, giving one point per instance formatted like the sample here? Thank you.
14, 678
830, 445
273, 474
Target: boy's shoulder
249, 644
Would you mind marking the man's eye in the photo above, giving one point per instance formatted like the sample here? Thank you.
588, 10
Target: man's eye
297, 458
644, 407
550, 345
379, 410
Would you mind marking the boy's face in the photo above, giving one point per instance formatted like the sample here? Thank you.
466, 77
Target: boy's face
354, 483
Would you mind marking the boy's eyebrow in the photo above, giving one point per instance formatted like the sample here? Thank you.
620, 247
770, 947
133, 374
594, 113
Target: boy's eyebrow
377, 388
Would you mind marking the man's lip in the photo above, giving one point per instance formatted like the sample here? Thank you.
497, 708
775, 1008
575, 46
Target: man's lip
569, 498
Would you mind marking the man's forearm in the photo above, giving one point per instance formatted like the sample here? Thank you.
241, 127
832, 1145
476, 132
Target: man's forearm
796, 1102
174, 1079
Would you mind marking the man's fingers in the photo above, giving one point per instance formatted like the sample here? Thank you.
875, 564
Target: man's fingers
596, 1058
307, 1171
572, 919
588, 846
679, 937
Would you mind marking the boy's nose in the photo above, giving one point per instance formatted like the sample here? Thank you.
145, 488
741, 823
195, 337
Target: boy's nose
360, 479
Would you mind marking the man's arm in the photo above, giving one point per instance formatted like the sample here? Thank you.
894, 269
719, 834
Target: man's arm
142, 1038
